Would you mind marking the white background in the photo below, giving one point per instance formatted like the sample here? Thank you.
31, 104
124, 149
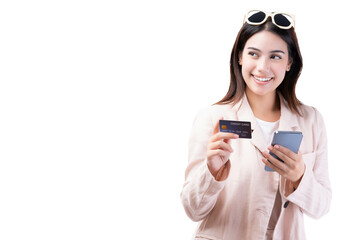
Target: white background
97, 99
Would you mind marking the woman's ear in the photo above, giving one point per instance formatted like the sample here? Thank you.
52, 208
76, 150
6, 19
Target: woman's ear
240, 59
289, 65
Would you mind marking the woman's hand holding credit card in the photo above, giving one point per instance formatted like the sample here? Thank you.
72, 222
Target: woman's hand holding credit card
218, 152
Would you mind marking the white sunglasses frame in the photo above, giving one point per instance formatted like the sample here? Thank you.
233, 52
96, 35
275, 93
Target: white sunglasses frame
270, 14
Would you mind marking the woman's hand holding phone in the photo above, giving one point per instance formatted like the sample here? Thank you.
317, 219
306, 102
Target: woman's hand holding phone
292, 168
218, 153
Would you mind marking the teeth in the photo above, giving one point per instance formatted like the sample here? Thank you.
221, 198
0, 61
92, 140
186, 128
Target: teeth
262, 79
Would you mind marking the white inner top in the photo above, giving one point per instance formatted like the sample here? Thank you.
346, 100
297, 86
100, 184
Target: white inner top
268, 129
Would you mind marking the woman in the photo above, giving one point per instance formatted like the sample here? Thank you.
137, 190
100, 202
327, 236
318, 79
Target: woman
227, 188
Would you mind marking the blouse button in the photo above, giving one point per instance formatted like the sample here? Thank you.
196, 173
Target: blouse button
286, 204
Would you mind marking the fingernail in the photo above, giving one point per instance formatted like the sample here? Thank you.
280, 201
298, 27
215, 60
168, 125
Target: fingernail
277, 146
236, 136
270, 148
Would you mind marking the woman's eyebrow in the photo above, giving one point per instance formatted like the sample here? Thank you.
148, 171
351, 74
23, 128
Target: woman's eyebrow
254, 49
273, 51
278, 51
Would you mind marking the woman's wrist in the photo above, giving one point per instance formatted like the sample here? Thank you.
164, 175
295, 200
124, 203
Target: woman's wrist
223, 173
297, 183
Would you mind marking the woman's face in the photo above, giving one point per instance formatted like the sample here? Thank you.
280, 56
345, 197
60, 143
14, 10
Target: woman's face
264, 61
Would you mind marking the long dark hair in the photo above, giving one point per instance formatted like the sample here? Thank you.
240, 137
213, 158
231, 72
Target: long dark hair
287, 87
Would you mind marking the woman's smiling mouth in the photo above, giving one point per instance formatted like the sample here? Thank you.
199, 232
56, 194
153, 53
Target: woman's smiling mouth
262, 79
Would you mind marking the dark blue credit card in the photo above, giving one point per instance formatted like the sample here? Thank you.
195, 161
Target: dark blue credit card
243, 129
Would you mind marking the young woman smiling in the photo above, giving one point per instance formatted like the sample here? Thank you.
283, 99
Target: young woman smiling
226, 187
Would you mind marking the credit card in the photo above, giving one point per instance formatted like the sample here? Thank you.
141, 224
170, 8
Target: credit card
243, 129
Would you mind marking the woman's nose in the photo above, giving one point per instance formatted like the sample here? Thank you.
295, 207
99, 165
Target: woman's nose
263, 65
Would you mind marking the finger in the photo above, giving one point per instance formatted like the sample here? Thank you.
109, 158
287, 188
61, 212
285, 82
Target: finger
275, 162
220, 145
218, 152
281, 155
281, 150
222, 136
284, 157
272, 166
228, 139
217, 126
299, 154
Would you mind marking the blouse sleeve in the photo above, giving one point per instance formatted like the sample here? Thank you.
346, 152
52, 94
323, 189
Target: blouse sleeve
313, 194
200, 190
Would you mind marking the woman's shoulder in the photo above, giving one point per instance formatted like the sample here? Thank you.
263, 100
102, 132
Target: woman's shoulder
207, 116
216, 110
310, 113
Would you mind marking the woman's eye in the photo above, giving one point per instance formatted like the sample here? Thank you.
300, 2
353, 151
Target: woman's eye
275, 57
253, 54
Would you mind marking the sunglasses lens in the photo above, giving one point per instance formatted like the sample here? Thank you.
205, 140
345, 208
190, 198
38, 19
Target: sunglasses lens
256, 16
282, 20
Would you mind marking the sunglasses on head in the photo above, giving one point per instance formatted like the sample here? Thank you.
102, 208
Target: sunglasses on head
279, 19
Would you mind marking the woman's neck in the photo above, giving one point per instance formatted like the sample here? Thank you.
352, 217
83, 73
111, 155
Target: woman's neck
266, 108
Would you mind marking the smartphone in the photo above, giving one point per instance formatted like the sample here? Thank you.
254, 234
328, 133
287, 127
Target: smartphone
288, 139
